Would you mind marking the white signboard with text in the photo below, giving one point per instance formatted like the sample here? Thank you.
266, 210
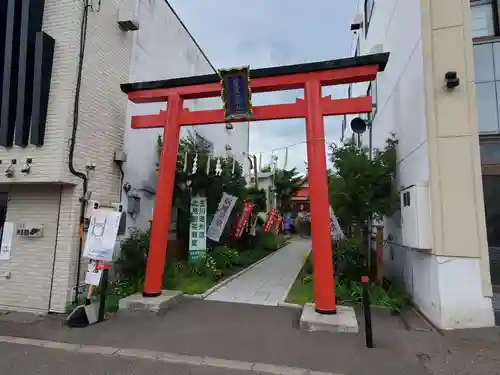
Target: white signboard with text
221, 217
101, 237
198, 228
7, 233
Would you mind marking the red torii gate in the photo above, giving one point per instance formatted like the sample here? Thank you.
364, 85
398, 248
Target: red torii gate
311, 77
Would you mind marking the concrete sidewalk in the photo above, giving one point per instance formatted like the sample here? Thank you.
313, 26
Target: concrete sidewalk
269, 282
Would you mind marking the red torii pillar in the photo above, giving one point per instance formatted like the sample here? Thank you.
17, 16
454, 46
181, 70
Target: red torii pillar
310, 77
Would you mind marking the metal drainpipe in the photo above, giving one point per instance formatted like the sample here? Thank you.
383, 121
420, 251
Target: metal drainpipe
71, 166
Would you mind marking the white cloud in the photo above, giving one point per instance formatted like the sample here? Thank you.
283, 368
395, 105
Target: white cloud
264, 33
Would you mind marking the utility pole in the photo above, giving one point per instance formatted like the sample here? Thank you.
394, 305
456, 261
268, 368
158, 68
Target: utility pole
256, 171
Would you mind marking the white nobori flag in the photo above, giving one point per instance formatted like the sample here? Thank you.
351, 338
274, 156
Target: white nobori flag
336, 230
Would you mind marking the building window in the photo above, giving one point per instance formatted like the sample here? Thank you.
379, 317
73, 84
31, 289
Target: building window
485, 21
487, 74
491, 189
203, 143
369, 5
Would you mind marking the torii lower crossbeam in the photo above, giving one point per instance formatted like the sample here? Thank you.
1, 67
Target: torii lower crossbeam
309, 77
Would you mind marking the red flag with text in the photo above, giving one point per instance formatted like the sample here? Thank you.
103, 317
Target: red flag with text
242, 220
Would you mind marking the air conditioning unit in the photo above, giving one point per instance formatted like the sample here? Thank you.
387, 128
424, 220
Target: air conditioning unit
126, 20
416, 217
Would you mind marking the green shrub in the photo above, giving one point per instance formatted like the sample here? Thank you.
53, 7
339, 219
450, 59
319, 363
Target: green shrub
348, 291
131, 265
177, 269
349, 259
225, 258
205, 267
307, 279
251, 256
269, 241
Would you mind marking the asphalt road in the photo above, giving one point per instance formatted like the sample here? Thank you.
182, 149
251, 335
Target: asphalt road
30, 360
257, 334
249, 333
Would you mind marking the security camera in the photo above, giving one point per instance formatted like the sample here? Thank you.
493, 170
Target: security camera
451, 80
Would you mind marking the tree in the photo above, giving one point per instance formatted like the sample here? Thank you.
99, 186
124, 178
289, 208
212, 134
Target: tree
257, 197
360, 188
286, 184
208, 185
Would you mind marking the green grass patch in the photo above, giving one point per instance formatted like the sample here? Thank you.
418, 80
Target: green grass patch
347, 292
191, 284
188, 278
301, 292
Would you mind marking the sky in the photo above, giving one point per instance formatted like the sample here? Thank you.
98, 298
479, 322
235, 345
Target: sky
266, 33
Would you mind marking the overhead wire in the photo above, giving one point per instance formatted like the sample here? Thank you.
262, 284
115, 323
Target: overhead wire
216, 71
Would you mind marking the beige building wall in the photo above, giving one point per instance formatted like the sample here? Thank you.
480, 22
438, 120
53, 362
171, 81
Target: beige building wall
455, 168
37, 262
27, 277
445, 268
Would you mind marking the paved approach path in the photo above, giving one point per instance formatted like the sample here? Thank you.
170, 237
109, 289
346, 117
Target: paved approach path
268, 282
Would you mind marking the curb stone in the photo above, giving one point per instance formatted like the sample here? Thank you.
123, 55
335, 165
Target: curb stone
290, 305
257, 368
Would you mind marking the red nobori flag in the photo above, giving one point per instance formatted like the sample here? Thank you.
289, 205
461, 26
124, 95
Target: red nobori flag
242, 220
278, 224
270, 219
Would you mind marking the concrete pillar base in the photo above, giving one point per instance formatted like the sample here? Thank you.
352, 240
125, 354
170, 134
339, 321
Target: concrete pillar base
137, 304
343, 321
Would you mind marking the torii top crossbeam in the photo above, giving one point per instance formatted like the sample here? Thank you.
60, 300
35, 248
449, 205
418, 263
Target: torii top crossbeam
327, 73
311, 77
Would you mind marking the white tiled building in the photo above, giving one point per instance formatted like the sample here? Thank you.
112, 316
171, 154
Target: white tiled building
439, 248
40, 275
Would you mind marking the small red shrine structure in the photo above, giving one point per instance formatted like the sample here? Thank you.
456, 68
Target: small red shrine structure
300, 201
310, 77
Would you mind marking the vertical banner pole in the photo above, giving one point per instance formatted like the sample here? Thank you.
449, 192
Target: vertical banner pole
368, 314
104, 292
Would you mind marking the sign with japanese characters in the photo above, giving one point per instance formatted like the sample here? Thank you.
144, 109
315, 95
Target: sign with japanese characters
221, 217
198, 229
277, 227
243, 220
93, 274
6, 240
236, 93
270, 219
101, 236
